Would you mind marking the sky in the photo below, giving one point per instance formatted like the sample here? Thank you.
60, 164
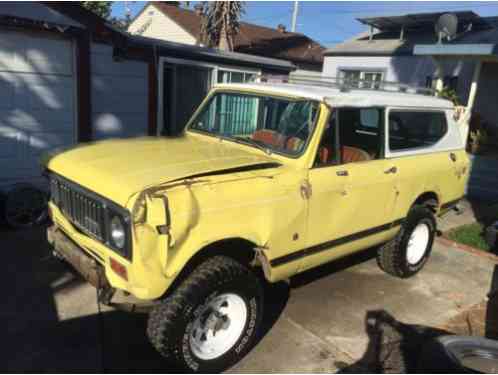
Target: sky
331, 22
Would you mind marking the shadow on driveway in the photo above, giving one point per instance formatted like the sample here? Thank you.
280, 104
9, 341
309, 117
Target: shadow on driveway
39, 339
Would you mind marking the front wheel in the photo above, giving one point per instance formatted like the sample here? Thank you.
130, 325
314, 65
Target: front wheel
211, 320
408, 252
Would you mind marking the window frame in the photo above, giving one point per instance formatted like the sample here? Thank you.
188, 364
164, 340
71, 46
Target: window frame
415, 150
363, 70
337, 141
214, 92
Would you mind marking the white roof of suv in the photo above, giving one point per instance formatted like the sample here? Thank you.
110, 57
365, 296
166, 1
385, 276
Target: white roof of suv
351, 98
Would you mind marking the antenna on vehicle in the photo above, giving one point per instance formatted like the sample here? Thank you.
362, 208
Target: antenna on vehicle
446, 27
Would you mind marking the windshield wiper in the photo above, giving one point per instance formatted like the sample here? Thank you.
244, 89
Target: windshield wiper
253, 142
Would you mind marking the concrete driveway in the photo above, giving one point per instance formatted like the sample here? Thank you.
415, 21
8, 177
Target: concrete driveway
322, 322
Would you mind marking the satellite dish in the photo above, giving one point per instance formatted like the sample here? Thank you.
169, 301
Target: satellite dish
446, 27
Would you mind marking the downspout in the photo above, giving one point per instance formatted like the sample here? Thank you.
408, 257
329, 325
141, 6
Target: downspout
465, 119
471, 100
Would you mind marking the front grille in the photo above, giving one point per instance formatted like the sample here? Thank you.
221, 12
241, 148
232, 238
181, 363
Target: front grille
85, 212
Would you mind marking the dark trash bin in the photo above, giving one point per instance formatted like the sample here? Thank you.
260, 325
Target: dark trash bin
491, 236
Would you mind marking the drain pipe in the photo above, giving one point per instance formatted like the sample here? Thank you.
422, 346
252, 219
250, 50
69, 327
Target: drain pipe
470, 102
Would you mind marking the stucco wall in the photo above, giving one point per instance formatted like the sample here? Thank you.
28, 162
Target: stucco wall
155, 24
305, 72
412, 70
487, 94
119, 95
406, 69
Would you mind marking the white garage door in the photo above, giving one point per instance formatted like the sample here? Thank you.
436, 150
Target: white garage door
37, 102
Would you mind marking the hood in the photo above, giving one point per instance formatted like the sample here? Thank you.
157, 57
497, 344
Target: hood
116, 169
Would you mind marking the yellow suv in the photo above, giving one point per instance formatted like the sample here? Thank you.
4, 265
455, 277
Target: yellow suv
267, 181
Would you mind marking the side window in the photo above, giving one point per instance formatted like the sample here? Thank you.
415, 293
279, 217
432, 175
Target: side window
369, 120
415, 129
358, 138
360, 134
326, 154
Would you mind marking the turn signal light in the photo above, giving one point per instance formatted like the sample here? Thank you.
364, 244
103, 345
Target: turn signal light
119, 269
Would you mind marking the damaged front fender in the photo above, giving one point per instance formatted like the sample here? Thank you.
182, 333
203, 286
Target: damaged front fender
150, 229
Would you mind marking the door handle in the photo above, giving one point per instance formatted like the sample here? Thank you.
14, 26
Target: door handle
453, 157
391, 170
342, 173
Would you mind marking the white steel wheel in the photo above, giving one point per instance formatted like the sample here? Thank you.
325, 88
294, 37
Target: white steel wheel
417, 243
219, 326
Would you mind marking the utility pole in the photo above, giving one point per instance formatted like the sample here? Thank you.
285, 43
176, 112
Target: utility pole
294, 16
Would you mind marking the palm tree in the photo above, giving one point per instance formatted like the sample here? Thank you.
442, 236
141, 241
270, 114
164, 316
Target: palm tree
221, 22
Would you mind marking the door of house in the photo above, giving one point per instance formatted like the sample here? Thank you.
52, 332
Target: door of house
184, 88
185, 83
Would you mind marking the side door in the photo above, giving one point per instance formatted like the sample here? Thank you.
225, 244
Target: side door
330, 202
353, 186
374, 187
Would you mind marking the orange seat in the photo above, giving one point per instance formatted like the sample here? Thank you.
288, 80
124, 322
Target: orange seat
294, 144
324, 154
353, 154
349, 154
270, 137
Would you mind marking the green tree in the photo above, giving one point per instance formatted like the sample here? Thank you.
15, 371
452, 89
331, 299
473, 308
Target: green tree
221, 22
104, 8
101, 8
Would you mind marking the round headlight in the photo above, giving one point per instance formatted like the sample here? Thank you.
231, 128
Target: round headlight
118, 235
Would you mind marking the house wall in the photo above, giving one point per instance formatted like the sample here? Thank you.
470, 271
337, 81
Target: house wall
305, 72
119, 95
154, 24
412, 70
487, 93
406, 69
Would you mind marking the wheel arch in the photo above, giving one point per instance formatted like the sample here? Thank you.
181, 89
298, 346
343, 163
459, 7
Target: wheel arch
429, 199
238, 248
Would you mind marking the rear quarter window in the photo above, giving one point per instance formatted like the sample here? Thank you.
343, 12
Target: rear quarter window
415, 129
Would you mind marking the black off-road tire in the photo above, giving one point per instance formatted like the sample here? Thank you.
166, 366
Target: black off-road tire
392, 256
170, 323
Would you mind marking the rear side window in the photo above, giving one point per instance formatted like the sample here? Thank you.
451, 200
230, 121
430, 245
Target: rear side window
415, 129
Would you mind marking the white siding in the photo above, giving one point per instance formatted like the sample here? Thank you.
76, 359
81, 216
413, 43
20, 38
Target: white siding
37, 102
157, 25
119, 95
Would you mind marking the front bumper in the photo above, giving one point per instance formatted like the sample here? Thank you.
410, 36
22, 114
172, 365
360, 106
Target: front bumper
87, 266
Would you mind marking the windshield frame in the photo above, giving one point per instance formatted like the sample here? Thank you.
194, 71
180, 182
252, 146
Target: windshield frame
215, 91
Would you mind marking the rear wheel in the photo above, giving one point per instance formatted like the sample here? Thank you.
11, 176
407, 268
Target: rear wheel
211, 320
407, 253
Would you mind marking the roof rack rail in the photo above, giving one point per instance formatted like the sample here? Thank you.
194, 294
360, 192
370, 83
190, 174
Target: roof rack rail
346, 84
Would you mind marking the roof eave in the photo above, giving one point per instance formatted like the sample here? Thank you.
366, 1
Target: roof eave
482, 49
180, 50
359, 52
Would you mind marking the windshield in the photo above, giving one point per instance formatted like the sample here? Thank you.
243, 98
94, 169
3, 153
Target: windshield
274, 124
